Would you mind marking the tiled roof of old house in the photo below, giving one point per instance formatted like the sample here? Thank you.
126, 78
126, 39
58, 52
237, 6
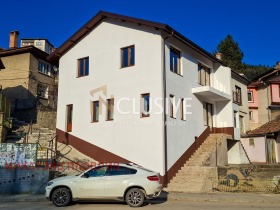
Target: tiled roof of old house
270, 127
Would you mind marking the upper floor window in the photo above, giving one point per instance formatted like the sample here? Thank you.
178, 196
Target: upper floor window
250, 96
175, 60
237, 95
145, 105
128, 56
203, 75
39, 43
251, 115
95, 115
110, 109
83, 67
44, 67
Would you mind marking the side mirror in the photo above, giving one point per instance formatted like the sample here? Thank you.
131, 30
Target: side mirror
85, 175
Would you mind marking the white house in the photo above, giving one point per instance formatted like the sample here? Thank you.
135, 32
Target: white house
113, 67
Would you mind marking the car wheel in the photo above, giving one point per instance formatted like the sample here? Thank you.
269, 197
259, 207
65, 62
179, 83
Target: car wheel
61, 197
135, 197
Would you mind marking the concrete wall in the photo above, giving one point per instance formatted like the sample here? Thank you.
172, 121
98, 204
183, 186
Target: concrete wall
19, 181
15, 79
219, 155
278, 149
236, 153
47, 119
264, 102
256, 153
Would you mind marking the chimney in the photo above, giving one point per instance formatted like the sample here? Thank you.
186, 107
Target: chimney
14, 39
219, 56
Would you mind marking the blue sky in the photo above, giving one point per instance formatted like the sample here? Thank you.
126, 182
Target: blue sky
254, 24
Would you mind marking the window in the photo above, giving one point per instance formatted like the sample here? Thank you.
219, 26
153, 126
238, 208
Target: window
95, 116
119, 170
183, 114
175, 60
251, 142
234, 119
237, 96
145, 105
250, 96
172, 102
110, 109
42, 91
44, 67
241, 124
39, 43
69, 112
97, 172
250, 115
128, 56
203, 75
83, 67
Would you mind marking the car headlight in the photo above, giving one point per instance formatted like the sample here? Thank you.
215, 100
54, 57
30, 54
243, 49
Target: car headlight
49, 183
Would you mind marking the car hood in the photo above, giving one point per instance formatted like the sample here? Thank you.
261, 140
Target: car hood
64, 178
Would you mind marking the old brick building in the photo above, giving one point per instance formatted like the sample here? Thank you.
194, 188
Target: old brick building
27, 78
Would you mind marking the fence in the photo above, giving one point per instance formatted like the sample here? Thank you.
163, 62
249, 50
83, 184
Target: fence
231, 183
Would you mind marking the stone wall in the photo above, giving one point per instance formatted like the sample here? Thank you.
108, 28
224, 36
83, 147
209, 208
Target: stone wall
47, 119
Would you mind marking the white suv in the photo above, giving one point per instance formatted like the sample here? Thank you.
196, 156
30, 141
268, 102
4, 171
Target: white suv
126, 182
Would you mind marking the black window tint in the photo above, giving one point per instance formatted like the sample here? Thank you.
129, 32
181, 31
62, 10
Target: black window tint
119, 170
125, 57
98, 171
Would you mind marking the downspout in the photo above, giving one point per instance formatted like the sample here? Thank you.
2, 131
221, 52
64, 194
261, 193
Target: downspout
165, 177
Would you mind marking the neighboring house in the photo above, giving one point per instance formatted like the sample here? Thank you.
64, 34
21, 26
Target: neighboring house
264, 97
41, 43
27, 78
114, 74
240, 103
263, 144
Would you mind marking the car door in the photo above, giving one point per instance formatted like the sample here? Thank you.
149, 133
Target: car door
91, 183
117, 179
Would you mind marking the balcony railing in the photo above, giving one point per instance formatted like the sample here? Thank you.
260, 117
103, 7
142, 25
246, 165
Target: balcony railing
236, 98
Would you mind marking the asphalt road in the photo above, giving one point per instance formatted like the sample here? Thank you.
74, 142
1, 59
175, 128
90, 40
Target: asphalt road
159, 205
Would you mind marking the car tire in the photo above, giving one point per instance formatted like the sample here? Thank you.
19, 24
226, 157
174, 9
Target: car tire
135, 197
61, 197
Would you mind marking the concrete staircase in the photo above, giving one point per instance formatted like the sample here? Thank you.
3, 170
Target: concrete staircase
200, 170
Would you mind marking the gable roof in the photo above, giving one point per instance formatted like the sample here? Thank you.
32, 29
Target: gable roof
100, 16
270, 127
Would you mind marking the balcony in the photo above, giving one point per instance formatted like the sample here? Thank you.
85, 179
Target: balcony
211, 93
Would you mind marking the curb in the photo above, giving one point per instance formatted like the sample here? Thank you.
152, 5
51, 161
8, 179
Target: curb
6, 199
264, 199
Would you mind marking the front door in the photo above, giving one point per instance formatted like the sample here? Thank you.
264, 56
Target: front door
270, 151
208, 114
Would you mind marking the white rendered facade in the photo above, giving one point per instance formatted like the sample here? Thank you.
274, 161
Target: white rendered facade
142, 140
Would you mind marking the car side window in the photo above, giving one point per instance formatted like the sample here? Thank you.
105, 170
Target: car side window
119, 170
96, 172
